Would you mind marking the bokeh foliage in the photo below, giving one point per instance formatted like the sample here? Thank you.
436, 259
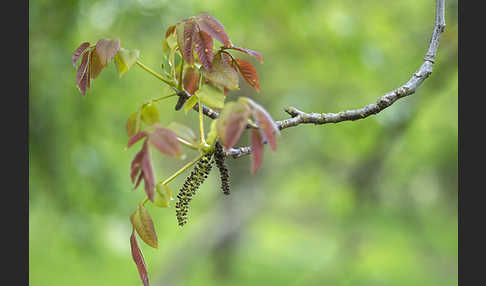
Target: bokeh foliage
371, 202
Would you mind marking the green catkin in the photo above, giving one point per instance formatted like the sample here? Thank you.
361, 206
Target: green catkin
219, 157
190, 186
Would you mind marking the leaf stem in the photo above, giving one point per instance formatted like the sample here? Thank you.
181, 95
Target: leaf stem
181, 170
170, 83
163, 97
173, 176
201, 125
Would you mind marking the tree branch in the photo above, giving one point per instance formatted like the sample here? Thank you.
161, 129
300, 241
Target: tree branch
300, 117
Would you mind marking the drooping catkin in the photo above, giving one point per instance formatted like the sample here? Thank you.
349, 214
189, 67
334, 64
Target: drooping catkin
219, 157
190, 186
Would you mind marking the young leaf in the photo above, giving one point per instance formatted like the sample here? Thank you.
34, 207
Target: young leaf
82, 73
95, 64
213, 27
77, 53
213, 132
248, 51
256, 149
135, 138
165, 141
180, 36
138, 259
125, 59
232, 122
150, 114
133, 123
170, 31
107, 50
135, 167
163, 196
222, 75
190, 103
144, 225
204, 49
189, 30
190, 80
266, 125
148, 173
249, 73
211, 96
183, 132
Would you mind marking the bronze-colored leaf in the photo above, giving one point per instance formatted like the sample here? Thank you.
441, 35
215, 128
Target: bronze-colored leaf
223, 74
189, 30
107, 50
248, 51
144, 226
232, 122
138, 259
256, 150
213, 27
190, 80
248, 73
82, 73
203, 43
165, 141
95, 64
169, 31
77, 53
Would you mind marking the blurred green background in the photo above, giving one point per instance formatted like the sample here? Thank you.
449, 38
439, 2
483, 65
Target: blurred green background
370, 202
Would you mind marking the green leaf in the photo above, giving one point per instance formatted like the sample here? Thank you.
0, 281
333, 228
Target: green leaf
125, 59
190, 103
150, 114
143, 224
211, 96
131, 125
213, 132
162, 196
183, 132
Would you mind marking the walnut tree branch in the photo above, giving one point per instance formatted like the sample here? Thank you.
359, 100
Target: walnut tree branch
300, 117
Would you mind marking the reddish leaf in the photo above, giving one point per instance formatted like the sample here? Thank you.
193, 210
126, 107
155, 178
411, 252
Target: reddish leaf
169, 31
165, 141
136, 137
266, 125
82, 74
77, 53
204, 49
190, 81
144, 226
148, 173
256, 150
249, 73
138, 259
232, 122
107, 50
249, 52
83, 67
143, 164
189, 30
213, 27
